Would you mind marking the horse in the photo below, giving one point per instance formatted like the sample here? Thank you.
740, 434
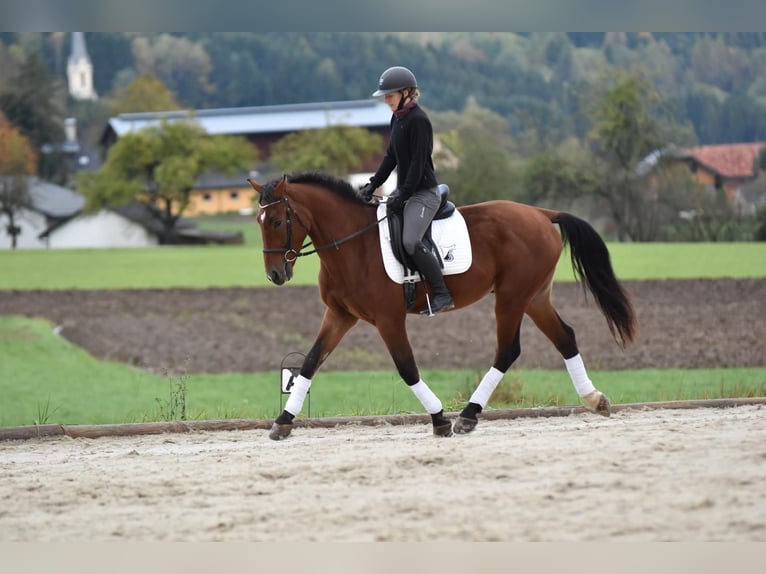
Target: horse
515, 249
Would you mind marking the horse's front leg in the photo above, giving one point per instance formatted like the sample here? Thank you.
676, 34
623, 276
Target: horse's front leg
394, 334
335, 324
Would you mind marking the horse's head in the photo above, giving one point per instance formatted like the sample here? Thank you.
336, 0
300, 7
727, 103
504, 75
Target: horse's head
281, 229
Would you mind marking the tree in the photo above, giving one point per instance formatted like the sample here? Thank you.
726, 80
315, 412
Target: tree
17, 160
628, 124
336, 149
182, 65
480, 142
160, 165
146, 93
759, 163
552, 175
33, 105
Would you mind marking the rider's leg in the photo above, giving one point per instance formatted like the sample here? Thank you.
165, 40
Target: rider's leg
418, 214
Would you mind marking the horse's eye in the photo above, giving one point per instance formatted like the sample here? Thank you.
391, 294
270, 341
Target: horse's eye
276, 224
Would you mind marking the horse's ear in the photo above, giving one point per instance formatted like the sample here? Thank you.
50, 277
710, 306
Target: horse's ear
256, 186
282, 185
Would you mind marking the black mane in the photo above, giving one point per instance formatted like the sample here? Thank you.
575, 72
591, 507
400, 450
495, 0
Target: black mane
324, 180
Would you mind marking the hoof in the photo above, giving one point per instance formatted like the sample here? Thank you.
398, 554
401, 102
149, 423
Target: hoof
280, 432
599, 403
443, 429
464, 425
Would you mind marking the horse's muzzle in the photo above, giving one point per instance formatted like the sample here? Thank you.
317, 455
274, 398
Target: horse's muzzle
279, 276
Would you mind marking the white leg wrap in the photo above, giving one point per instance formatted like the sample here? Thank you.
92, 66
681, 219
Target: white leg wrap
486, 387
297, 395
427, 398
576, 368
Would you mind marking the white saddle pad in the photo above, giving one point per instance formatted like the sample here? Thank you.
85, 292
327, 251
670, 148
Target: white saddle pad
449, 235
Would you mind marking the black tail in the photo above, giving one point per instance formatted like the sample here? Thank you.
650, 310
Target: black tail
593, 266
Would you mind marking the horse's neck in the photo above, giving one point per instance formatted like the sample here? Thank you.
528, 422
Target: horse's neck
333, 218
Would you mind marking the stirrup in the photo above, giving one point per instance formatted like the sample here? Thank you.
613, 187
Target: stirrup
445, 306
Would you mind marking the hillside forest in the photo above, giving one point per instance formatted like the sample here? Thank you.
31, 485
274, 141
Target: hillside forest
536, 116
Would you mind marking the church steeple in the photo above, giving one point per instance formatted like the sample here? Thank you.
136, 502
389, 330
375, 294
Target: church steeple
80, 70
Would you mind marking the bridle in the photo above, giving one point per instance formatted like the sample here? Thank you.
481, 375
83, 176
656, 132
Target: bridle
291, 254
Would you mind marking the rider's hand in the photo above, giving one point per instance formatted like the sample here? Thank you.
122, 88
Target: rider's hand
366, 191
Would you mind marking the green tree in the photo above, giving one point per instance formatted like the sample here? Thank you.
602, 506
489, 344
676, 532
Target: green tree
480, 143
550, 174
33, 105
146, 93
18, 160
10, 59
160, 165
336, 149
182, 65
628, 123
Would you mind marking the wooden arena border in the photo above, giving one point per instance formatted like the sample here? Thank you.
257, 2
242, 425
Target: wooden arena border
132, 429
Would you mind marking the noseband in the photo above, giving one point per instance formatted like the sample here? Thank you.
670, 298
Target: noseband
291, 254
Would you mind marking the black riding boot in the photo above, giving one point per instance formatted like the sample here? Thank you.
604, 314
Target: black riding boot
429, 268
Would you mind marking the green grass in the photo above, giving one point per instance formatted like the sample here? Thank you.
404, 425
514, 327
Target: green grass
687, 260
45, 379
242, 266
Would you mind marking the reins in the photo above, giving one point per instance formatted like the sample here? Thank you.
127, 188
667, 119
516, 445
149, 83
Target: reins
291, 254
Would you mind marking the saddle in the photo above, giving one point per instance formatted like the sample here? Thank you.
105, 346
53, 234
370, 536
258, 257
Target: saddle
395, 224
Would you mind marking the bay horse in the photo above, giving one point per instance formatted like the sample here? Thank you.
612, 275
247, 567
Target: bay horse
515, 249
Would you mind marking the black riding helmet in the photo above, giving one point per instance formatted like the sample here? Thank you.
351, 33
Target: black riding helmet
395, 79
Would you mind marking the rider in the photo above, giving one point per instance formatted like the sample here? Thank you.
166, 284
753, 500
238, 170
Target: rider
416, 194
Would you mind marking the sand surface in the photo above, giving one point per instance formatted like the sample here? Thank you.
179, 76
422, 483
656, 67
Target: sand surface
641, 475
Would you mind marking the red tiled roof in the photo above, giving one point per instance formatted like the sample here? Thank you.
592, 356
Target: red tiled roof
728, 160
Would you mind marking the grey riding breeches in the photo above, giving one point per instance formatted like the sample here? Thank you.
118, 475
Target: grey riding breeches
419, 211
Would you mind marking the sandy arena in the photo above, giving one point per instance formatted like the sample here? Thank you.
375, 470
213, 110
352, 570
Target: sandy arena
641, 475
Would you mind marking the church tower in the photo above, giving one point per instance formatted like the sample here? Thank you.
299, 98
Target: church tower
79, 70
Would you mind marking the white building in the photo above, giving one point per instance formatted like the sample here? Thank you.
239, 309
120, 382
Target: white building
101, 230
55, 221
50, 204
79, 70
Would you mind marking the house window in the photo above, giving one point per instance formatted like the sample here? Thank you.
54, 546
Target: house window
234, 195
207, 198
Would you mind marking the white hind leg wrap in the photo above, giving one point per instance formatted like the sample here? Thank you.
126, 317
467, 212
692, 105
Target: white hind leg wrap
486, 387
297, 395
576, 368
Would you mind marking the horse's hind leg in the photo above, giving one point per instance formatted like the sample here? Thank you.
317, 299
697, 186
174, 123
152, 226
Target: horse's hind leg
335, 325
508, 350
544, 315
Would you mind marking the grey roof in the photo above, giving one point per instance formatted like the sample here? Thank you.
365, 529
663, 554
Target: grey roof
53, 200
266, 119
215, 180
79, 51
647, 164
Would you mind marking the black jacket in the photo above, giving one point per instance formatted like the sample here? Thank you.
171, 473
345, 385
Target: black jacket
409, 150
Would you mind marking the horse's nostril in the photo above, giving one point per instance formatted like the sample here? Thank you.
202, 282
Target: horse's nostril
276, 278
